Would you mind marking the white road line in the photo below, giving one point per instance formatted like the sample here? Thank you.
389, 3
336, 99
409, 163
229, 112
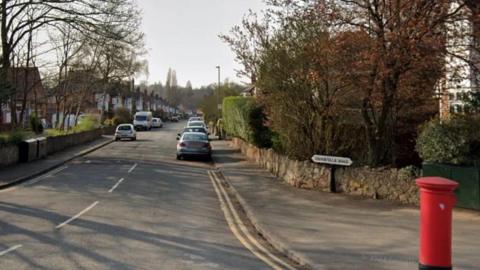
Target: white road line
132, 168
232, 223
244, 229
10, 250
59, 226
116, 185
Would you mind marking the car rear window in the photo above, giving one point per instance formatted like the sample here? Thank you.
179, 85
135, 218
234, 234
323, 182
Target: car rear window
124, 128
196, 124
141, 118
195, 129
195, 137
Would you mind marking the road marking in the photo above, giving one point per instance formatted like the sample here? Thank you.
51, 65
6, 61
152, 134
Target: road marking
116, 185
236, 225
132, 168
244, 228
10, 249
59, 226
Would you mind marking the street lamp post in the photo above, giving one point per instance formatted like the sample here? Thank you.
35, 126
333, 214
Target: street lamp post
218, 92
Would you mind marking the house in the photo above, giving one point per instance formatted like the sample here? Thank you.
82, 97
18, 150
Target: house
462, 76
29, 96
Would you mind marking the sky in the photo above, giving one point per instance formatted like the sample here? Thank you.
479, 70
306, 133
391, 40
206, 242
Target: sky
183, 35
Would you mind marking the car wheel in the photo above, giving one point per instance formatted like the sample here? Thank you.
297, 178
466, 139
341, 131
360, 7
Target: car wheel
134, 138
116, 139
179, 157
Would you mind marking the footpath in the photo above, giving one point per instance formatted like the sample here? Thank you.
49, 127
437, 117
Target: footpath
13, 175
333, 231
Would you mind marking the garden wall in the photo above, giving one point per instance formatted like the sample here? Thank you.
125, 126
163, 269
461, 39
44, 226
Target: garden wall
379, 183
58, 143
8, 155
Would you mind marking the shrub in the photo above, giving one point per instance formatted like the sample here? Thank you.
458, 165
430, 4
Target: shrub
454, 141
109, 122
122, 116
13, 137
243, 118
87, 123
35, 124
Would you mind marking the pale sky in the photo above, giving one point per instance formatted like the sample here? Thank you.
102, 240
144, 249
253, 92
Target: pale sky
183, 35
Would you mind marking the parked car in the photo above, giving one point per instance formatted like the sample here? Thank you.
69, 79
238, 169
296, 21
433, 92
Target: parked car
197, 124
195, 118
193, 129
194, 144
174, 118
143, 120
157, 123
125, 131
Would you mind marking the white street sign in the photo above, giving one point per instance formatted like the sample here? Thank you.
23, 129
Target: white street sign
342, 161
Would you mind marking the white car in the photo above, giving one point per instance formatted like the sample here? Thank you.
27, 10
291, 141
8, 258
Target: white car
157, 123
125, 131
191, 119
197, 124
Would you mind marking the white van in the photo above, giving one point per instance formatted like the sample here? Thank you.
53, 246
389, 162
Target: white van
143, 120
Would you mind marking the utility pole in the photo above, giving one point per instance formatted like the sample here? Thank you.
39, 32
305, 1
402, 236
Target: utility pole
218, 92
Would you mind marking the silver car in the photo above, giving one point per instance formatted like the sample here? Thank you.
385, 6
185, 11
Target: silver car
125, 131
194, 144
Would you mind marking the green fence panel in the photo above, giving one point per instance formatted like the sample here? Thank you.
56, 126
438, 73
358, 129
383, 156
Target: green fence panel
468, 178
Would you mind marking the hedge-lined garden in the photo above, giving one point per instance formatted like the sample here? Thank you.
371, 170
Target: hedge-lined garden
244, 118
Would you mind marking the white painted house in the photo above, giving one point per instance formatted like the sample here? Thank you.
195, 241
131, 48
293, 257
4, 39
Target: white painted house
462, 60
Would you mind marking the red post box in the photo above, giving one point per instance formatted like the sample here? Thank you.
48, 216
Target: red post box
436, 205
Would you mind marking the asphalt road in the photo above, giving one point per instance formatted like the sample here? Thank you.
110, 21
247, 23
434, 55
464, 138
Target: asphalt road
129, 205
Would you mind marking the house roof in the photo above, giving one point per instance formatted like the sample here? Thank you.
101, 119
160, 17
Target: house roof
25, 79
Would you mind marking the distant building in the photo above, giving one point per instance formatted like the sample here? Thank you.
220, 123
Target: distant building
30, 95
462, 61
251, 90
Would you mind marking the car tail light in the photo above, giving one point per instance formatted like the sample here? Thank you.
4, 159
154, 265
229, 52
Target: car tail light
182, 144
207, 145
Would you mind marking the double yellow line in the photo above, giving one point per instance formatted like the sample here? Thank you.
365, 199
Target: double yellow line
240, 231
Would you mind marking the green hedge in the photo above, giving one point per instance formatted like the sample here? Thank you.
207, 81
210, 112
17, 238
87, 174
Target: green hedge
244, 118
453, 141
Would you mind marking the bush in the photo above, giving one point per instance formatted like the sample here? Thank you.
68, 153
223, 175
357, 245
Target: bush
13, 137
454, 141
87, 123
109, 122
35, 124
122, 116
243, 118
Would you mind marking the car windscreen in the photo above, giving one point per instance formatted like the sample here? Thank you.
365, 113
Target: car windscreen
195, 137
124, 128
196, 124
141, 118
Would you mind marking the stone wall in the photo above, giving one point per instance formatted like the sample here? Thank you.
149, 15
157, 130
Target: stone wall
8, 155
58, 143
379, 183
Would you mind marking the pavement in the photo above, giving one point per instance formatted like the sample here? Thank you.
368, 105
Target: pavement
333, 231
13, 175
127, 205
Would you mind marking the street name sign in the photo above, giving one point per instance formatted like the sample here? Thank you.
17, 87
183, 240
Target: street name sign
340, 161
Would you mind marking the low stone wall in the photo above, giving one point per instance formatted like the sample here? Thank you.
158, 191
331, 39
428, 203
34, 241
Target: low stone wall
8, 155
380, 183
58, 143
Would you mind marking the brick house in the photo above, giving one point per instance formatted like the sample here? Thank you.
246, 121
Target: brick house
30, 95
